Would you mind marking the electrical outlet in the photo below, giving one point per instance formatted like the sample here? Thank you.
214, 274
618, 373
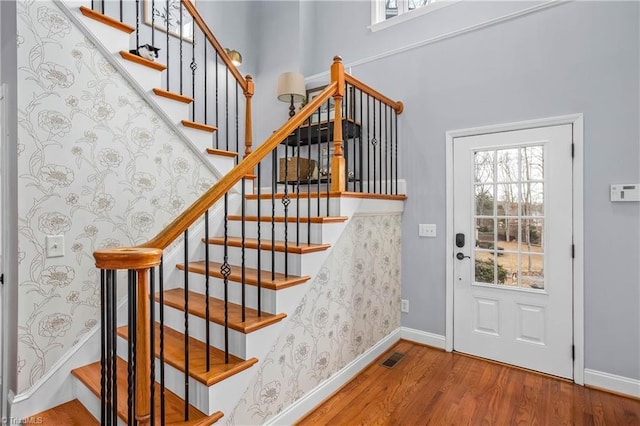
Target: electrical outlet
427, 230
404, 306
54, 245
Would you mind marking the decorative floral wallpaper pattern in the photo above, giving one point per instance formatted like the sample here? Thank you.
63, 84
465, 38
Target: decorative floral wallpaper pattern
351, 304
97, 165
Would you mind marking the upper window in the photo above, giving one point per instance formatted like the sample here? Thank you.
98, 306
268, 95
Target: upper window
390, 12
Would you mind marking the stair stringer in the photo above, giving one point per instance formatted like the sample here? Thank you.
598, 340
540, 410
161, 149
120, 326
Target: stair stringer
77, 19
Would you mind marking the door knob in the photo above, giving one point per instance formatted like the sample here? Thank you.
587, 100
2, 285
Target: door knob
461, 256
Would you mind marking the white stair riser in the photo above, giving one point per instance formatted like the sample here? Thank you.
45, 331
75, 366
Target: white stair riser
298, 264
90, 401
320, 234
207, 399
174, 109
113, 39
146, 77
200, 138
266, 207
222, 163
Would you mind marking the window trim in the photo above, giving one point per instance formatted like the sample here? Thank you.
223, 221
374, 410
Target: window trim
378, 11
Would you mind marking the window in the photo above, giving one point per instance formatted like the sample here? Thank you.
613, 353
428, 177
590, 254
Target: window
390, 12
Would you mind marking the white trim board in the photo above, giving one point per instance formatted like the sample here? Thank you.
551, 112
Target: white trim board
611, 382
576, 120
422, 337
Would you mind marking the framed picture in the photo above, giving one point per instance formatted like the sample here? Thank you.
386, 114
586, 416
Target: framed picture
169, 16
348, 104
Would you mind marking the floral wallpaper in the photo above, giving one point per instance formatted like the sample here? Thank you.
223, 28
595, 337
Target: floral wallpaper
97, 165
351, 304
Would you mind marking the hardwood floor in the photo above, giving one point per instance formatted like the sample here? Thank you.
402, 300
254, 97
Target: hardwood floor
430, 386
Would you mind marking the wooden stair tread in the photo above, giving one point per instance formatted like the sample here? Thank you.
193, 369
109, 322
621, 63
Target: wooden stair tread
253, 322
222, 152
71, 413
142, 61
251, 275
332, 194
107, 20
174, 405
252, 243
172, 95
174, 356
313, 219
199, 126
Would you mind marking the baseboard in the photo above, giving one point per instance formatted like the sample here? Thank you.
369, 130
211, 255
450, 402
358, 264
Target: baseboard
308, 402
422, 337
611, 382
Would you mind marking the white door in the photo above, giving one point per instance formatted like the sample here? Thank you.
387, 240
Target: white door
513, 272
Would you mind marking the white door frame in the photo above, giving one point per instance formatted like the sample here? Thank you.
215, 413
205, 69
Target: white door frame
576, 121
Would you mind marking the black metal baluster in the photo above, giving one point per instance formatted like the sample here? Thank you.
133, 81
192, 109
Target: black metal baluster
180, 43
237, 126
194, 66
391, 148
153, 21
380, 142
216, 134
361, 171
166, 71
274, 187
103, 343
323, 168
386, 151
286, 200
374, 142
259, 242
345, 135
243, 247
206, 289
329, 156
309, 181
186, 325
225, 270
226, 109
298, 187
368, 145
137, 23
152, 343
205, 85
131, 353
396, 143
113, 305
161, 302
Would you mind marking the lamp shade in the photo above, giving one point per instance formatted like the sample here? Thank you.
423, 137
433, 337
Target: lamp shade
291, 84
235, 56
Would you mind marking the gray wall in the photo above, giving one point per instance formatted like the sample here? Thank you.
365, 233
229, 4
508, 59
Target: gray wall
575, 57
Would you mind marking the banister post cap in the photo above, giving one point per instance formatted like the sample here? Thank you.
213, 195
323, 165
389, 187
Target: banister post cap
248, 77
127, 258
337, 58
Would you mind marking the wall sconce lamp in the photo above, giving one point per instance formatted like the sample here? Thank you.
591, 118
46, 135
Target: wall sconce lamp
235, 56
291, 89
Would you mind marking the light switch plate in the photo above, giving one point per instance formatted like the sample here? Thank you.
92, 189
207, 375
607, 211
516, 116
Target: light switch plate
54, 245
427, 230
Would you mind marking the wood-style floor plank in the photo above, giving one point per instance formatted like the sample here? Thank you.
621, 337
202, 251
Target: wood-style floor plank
430, 386
71, 413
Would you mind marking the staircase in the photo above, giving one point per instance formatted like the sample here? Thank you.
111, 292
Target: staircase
187, 343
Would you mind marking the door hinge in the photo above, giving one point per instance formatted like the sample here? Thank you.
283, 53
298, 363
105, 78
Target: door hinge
573, 251
573, 352
573, 150
1, 278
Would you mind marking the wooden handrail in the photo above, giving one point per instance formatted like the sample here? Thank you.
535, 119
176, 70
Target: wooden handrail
217, 191
397, 106
197, 18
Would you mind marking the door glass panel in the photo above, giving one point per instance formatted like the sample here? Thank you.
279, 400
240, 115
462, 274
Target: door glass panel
485, 237
532, 271
532, 163
485, 267
508, 199
508, 165
532, 199
484, 166
484, 200
509, 233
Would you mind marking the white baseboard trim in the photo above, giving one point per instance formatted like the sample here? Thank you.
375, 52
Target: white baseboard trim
305, 404
422, 337
611, 382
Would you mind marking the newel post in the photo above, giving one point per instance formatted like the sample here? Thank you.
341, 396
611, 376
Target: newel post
338, 174
248, 138
140, 261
